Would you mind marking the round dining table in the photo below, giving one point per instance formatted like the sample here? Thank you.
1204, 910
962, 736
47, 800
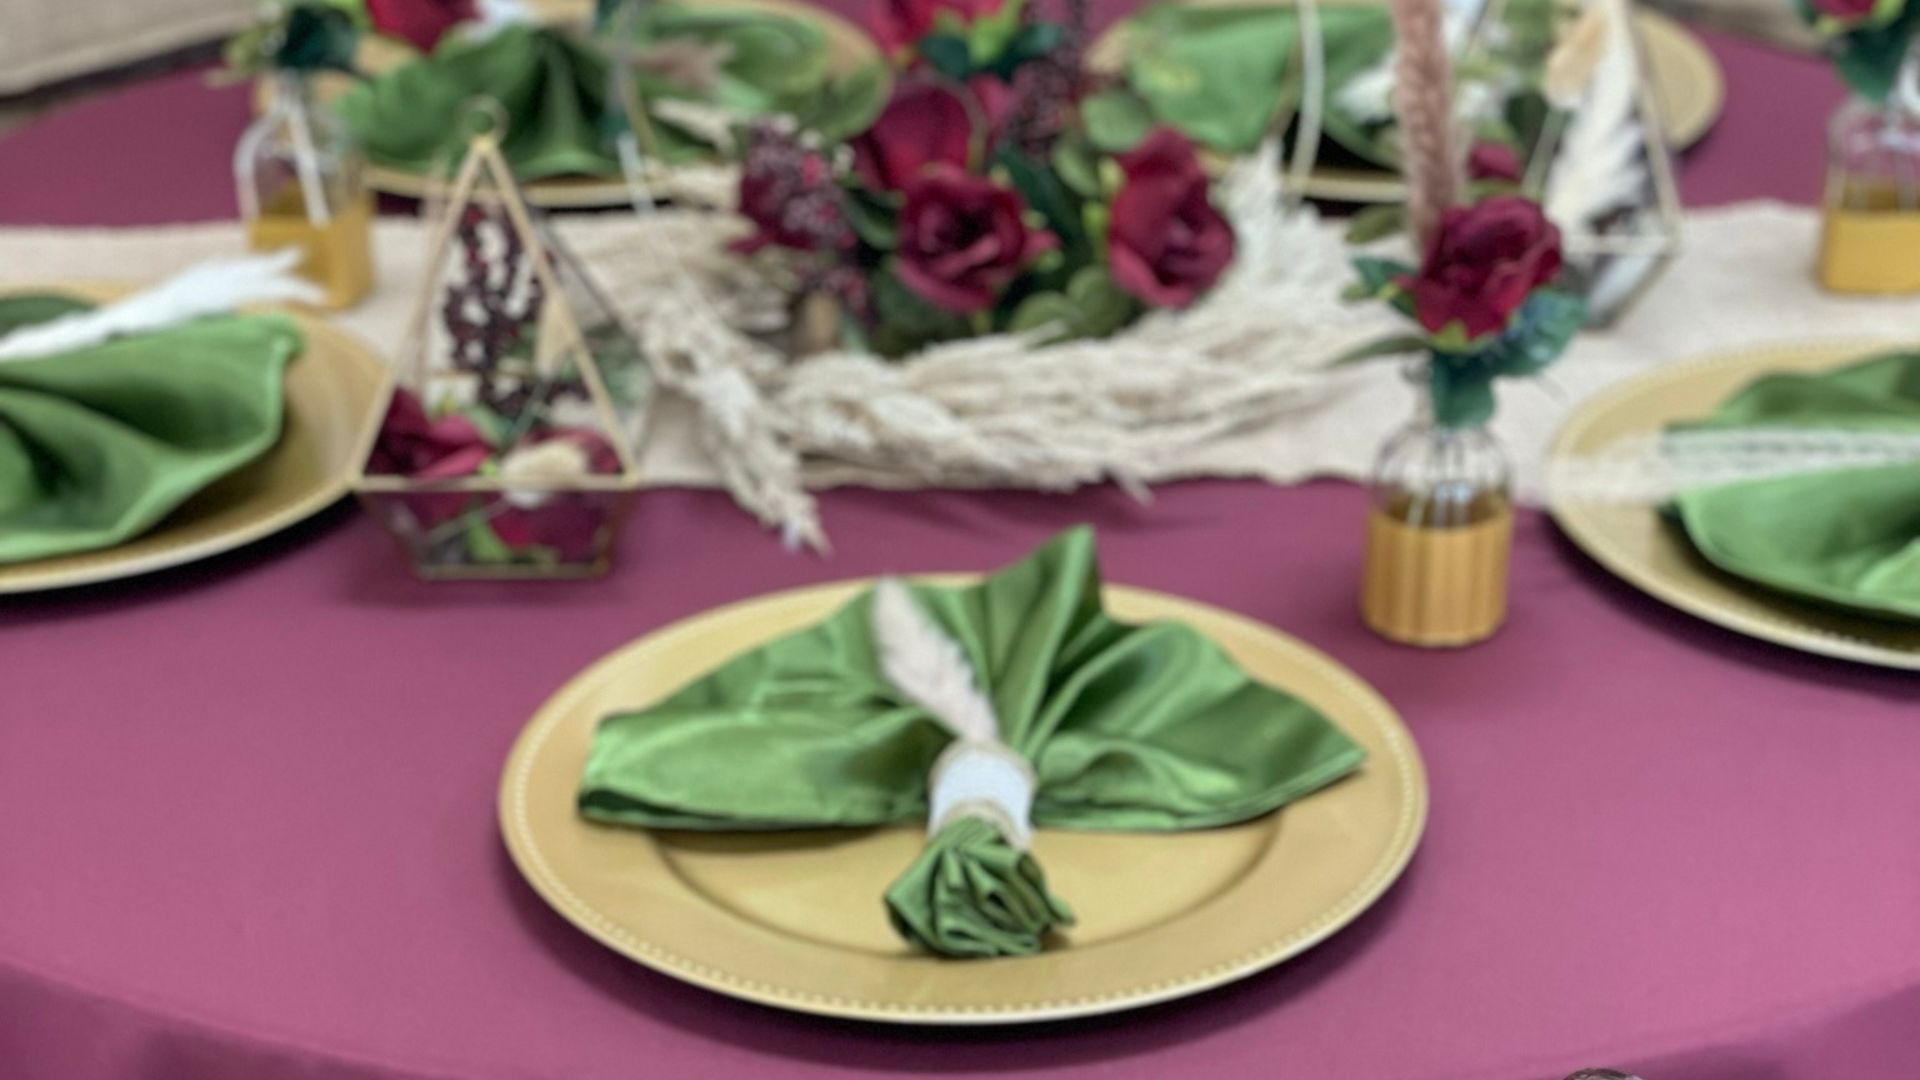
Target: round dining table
247, 805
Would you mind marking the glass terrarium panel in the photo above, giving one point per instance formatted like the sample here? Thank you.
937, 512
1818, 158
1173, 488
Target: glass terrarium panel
493, 534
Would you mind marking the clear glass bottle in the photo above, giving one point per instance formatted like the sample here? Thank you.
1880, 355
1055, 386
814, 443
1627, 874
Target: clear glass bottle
1870, 240
301, 183
1438, 534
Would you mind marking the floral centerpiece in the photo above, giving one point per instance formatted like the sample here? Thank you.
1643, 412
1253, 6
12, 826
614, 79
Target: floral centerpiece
977, 202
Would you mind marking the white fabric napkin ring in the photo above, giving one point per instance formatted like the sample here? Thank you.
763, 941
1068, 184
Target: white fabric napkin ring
987, 781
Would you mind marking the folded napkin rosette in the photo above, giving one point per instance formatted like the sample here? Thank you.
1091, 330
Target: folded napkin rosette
1848, 537
552, 89
870, 718
100, 442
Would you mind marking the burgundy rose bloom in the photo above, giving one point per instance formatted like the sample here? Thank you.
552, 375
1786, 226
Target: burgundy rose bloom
568, 522
897, 24
1494, 161
1167, 243
1847, 12
421, 22
923, 124
1481, 264
962, 239
410, 444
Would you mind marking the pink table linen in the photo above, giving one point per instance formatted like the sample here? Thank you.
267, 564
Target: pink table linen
246, 807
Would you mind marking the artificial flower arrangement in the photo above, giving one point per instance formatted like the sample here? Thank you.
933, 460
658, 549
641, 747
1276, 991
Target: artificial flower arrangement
506, 447
1484, 306
981, 199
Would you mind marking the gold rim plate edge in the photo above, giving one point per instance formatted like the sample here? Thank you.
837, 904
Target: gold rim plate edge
1634, 544
670, 926
1690, 87
330, 388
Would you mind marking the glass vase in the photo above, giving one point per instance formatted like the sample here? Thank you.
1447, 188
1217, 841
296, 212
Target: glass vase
301, 183
1870, 236
1438, 535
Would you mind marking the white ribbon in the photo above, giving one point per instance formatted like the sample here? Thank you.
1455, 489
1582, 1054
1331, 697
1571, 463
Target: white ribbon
987, 781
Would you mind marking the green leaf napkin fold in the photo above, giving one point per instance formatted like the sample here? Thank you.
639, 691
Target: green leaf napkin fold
97, 445
1127, 728
1847, 538
552, 87
1222, 74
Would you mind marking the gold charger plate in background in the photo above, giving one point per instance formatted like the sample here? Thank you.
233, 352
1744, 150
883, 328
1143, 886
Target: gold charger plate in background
1638, 544
849, 48
795, 919
331, 390
1687, 83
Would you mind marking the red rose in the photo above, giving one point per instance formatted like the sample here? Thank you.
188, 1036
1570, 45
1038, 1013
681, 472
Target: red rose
1848, 12
923, 124
569, 522
412, 445
1494, 161
1167, 244
422, 22
962, 238
1481, 264
900, 23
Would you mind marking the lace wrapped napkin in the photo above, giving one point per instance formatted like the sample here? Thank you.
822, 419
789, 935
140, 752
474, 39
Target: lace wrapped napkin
1844, 536
1081, 722
98, 443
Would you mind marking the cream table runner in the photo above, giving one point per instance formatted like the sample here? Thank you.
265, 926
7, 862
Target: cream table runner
1743, 279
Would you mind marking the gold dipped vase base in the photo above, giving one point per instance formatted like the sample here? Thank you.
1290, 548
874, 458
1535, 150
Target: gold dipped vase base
1436, 587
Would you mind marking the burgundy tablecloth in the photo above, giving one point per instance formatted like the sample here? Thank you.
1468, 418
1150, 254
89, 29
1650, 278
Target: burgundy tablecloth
246, 807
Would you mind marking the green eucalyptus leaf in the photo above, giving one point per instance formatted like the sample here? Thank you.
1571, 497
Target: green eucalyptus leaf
1116, 120
1078, 167
874, 220
1102, 306
948, 55
849, 105
1379, 278
1378, 222
1044, 310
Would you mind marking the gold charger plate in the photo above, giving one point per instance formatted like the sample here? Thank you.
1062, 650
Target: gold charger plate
849, 48
331, 390
795, 919
1641, 547
1687, 83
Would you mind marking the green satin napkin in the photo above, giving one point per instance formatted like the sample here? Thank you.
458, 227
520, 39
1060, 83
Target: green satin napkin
1221, 74
553, 90
98, 444
1128, 728
1848, 538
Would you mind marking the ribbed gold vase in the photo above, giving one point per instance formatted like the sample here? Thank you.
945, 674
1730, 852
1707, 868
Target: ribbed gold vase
1437, 586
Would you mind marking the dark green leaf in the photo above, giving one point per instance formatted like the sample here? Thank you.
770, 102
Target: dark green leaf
947, 55
1462, 388
318, 36
1379, 278
1397, 345
1034, 41
1544, 327
1078, 168
1049, 197
905, 321
875, 221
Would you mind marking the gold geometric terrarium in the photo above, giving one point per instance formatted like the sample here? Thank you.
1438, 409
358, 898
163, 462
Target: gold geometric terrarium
507, 446
1599, 161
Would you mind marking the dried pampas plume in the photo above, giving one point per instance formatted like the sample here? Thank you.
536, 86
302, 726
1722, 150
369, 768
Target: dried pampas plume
1423, 102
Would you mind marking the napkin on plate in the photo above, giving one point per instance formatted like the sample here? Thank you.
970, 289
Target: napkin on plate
552, 88
1127, 728
1222, 74
1848, 538
98, 444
